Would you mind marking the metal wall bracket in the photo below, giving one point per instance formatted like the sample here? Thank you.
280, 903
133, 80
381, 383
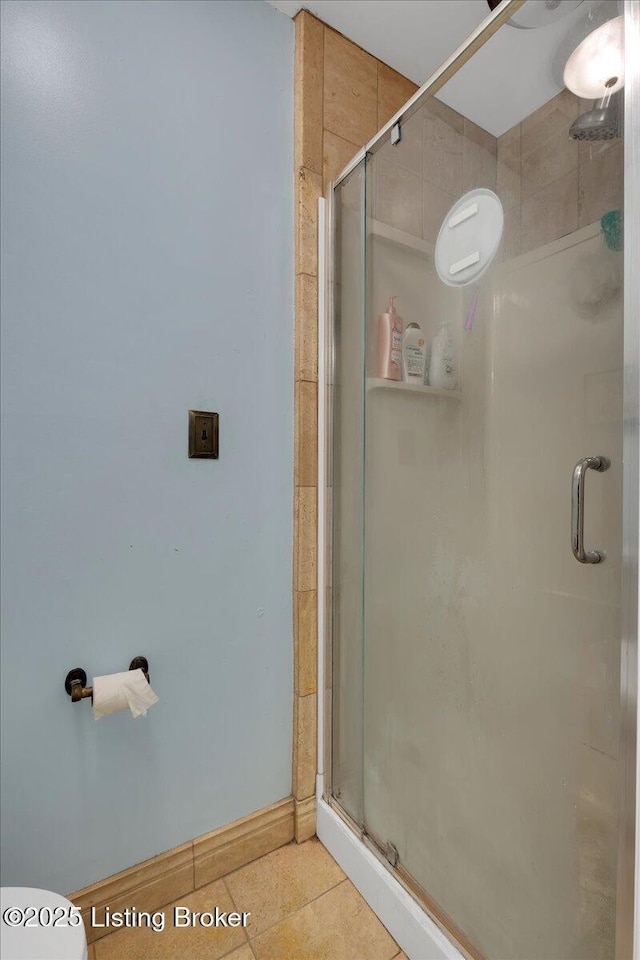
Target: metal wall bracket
392, 855
396, 134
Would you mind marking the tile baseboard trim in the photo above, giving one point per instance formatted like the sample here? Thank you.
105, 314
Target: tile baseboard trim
305, 819
220, 852
156, 882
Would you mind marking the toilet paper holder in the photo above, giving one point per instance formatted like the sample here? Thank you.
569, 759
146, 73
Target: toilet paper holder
75, 681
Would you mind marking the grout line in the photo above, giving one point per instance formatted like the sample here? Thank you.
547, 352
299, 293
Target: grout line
520, 192
546, 185
252, 863
244, 929
233, 950
288, 916
353, 43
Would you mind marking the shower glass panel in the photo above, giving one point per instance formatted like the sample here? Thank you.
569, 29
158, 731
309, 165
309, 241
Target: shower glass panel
476, 661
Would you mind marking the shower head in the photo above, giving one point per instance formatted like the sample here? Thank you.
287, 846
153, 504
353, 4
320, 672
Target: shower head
602, 122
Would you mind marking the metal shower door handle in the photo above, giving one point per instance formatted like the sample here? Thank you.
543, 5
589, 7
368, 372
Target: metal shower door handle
577, 507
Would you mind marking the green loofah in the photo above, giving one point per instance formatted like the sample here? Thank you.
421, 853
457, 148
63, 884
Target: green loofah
611, 225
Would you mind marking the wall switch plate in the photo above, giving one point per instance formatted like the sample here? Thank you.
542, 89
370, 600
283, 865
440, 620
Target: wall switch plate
203, 435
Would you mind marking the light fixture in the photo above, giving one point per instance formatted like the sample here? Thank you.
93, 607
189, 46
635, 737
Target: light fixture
595, 69
538, 13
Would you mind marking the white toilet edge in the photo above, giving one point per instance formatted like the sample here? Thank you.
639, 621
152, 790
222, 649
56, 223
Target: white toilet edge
41, 941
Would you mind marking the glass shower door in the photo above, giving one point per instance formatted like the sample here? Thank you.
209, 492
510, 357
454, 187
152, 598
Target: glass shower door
476, 682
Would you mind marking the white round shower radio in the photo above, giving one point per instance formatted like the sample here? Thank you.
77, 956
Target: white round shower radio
469, 237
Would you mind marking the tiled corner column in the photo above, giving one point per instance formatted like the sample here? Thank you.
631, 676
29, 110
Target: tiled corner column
309, 72
342, 96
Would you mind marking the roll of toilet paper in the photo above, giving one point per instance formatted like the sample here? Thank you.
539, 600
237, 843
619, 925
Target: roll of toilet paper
117, 691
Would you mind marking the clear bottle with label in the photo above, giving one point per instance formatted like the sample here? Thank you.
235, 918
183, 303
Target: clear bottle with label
442, 367
414, 354
390, 343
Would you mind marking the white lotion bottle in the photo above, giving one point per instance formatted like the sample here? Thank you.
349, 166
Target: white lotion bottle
414, 354
442, 368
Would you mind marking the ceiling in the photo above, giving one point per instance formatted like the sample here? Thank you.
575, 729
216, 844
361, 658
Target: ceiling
507, 79
412, 36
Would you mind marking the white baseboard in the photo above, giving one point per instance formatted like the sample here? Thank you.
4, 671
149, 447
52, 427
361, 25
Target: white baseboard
407, 923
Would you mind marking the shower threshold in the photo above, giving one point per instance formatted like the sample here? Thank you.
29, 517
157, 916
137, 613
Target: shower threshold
404, 910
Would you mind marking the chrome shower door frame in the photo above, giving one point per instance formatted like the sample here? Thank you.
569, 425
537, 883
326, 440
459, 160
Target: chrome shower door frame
628, 921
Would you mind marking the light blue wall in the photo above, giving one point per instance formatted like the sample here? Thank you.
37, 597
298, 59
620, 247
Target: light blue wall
148, 269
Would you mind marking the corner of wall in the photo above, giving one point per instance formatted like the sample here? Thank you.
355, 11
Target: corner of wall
342, 96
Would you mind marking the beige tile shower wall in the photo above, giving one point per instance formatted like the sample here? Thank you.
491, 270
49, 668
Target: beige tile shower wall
440, 157
550, 185
343, 95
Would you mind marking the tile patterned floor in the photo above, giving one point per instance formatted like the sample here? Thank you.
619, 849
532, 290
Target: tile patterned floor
302, 907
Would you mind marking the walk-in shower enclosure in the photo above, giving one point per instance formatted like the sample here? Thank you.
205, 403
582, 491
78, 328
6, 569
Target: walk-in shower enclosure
480, 708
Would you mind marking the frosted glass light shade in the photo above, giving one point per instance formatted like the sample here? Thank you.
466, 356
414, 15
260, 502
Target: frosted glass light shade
597, 61
536, 13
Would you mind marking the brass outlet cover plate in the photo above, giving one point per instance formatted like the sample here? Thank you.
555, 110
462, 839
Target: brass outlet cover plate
203, 435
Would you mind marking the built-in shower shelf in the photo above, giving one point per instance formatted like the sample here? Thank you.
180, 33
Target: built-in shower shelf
399, 237
374, 383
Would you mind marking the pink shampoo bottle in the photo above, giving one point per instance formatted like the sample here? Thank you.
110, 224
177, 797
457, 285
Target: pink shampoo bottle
390, 343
